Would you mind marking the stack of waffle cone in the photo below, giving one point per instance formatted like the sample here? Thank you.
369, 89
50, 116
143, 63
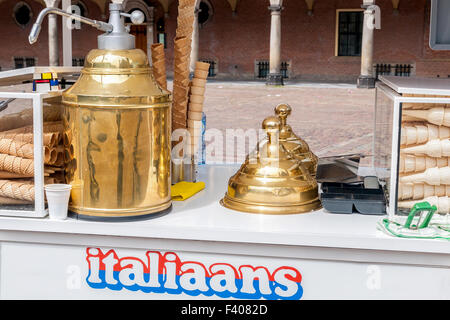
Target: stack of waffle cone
16, 164
23, 191
180, 83
159, 65
185, 19
17, 159
196, 99
25, 118
51, 137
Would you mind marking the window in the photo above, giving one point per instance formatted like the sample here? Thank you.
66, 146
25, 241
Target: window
77, 62
212, 67
262, 69
22, 14
24, 62
349, 32
205, 13
162, 39
440, 25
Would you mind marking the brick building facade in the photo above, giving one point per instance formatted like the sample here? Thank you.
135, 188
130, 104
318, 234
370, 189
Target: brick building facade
234, 34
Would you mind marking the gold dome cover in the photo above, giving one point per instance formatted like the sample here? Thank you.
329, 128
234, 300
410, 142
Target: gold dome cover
294, 145
272, 180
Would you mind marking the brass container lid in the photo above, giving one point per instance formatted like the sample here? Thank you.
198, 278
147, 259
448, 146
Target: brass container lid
293, 144
272, 180
118, 79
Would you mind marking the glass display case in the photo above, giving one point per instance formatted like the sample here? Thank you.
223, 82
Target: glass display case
34, 149
411, 144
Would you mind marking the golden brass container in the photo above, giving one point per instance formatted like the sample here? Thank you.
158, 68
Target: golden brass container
272, 180
117, 138
294, 145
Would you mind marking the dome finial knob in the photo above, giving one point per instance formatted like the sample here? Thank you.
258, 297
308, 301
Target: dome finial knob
271, 124
283, 110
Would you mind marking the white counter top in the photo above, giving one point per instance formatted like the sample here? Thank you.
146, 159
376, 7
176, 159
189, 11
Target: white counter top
202, 218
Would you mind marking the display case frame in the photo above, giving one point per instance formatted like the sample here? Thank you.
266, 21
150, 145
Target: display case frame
37, 100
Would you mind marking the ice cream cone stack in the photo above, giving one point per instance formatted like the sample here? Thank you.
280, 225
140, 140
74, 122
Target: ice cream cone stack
159, 64
195, 131
431, 176
438, 115
433, 148
16, 120
7, 201
198, 84
417, 191
18, 149
423, 133
49, 139
185, 19
442, 203
17, 190
411, 163
16, 164
180, 83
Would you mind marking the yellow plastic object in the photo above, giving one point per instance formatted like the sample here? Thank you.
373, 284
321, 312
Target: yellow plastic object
184, 190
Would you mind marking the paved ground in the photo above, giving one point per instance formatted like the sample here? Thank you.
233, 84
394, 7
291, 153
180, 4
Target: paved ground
332, 118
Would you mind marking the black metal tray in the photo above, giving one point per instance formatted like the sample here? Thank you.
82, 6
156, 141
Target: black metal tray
352, 198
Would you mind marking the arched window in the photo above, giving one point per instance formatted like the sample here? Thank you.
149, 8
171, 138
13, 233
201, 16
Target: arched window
206, 12
22, 14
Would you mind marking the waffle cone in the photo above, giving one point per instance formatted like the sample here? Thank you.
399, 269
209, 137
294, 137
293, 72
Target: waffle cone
67, 138
195, 115
16, 164
176, 126
17, 190
181, 66
179, 93
12, 175
181, 42
201, 74
196, 107
199, 65
179, 116
16, 120
197, 90
159, 64
52, 112
49, 139
199, 82
6, 201
161, 80
194, 124
18, 149
186, 3
53, 126
185, 25
194, 98
182, 81
157, 49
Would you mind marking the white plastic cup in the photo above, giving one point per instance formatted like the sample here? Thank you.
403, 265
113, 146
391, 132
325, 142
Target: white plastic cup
58, 200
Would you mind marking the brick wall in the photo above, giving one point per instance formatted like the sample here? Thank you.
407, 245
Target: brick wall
237, 40
14, 38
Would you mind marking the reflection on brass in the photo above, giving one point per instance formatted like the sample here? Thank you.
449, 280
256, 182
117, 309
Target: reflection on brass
272, 180
295, 146
116, 136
